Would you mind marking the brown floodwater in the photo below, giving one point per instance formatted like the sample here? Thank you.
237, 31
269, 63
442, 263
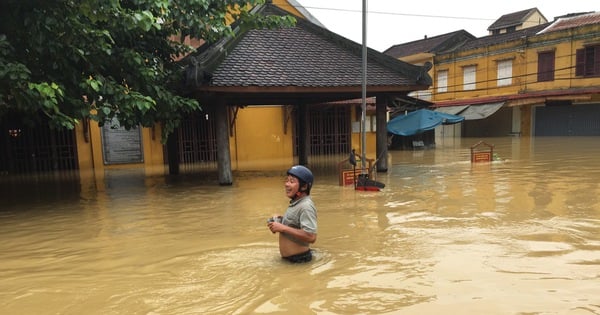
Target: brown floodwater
520, 235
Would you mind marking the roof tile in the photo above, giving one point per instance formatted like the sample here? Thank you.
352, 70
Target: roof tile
305, 55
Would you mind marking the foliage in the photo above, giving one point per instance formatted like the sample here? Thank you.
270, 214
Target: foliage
67, 60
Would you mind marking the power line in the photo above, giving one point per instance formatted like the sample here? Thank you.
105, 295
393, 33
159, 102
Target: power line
402, 14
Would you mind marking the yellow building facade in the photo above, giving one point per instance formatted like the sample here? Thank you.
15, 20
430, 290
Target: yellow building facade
530, 71
522, 79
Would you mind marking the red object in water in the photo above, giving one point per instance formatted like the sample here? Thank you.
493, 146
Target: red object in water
365, 184
367, 188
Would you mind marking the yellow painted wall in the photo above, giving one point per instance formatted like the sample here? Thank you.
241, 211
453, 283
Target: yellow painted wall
371, 144
154, 161
371, 137
283, 4
259, 141
91, 159
486, 64
565, 56
84, 149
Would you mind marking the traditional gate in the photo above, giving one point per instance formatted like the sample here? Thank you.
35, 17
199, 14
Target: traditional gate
330, 135
330, 139
32, 150
197, 143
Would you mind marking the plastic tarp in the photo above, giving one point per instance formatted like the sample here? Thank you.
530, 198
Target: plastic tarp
420, 121
475, 112
472, 112
453, 110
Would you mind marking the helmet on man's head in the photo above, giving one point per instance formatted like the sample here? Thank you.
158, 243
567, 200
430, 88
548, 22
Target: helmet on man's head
303, 174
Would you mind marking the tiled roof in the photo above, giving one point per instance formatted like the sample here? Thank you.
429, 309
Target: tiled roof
573, 21
440, 44
295, 57
562, 23
502, 38
512, 19
436, 44
305, 55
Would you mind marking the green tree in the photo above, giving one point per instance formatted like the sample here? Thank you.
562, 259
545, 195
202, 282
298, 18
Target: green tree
65, 60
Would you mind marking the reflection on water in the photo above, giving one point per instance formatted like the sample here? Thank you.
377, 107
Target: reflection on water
445, 236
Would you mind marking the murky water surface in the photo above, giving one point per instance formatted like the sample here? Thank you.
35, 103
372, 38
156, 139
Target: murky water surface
445, 236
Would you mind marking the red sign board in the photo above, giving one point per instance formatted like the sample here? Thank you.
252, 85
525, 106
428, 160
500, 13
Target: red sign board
481, 157
482, 152
347, 177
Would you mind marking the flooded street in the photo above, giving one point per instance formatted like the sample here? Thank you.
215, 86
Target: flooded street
520, 235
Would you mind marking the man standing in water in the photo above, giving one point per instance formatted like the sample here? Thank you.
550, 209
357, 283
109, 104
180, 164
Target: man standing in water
298, 226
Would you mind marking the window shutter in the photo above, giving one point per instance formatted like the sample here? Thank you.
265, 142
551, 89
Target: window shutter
504, 73
596, 60
546, 66
588, 61
579, 62
469, 76
442, 81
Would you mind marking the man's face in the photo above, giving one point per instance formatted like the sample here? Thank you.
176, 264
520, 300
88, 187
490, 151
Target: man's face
292, 185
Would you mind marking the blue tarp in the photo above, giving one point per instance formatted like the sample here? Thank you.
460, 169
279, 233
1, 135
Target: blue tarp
420, 121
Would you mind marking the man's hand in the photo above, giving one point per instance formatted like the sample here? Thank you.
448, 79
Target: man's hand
275, 226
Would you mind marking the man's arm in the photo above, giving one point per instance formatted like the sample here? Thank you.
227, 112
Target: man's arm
299, 234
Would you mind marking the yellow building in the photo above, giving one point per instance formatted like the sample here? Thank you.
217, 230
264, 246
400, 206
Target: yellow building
525, 78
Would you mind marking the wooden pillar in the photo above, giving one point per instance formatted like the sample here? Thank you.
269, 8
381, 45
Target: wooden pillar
304, 134
173, 152
381, 141
223, 151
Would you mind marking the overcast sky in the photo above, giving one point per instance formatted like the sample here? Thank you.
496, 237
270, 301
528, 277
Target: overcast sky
391, 22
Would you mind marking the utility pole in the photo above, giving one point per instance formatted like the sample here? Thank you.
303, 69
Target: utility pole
363, 117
